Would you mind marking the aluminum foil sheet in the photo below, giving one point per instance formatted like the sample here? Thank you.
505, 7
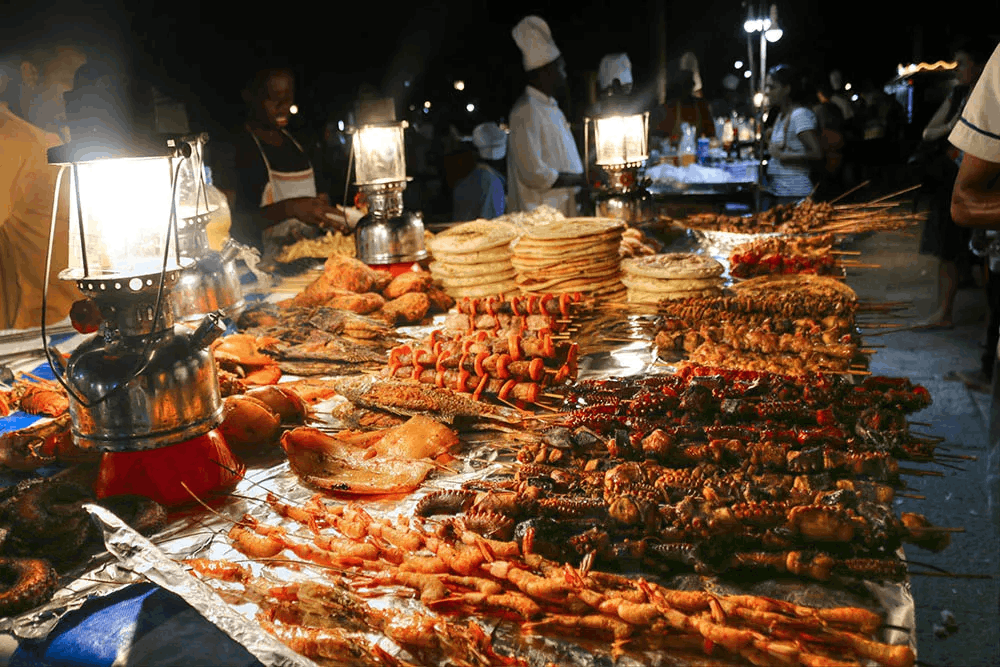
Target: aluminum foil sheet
719, 245
617, 344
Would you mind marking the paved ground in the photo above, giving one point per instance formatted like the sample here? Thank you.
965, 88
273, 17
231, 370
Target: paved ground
959, 498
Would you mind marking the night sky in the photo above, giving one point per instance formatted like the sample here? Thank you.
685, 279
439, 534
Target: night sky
203, 52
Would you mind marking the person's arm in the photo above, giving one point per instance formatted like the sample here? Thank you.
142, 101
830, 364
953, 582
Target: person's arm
940, 124
975, 199
813, 150
803, 124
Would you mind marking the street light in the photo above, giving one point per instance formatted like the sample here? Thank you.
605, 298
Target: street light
769, 32
772, 32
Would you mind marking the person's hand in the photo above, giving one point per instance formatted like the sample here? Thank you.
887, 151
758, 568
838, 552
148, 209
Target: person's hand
314, 211
568, 180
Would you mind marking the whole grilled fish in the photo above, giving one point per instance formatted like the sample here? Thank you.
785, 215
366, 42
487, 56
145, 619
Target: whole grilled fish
412, 398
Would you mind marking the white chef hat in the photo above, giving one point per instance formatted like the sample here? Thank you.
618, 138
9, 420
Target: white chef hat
533, 37
689, 62
490, 140
614, 66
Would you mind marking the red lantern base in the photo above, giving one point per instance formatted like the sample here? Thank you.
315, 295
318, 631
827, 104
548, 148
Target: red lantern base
204, 464
397, 269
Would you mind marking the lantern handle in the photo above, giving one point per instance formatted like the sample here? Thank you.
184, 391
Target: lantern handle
60, 376
350, 163
157, 308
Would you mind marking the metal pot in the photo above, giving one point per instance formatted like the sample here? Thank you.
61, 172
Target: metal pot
390, 240
212, 284
631, 207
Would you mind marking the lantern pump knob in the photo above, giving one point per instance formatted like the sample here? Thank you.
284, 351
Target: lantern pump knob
209, 330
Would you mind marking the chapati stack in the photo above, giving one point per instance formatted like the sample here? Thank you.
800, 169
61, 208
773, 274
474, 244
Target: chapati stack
674, 275
571, 255
474, 259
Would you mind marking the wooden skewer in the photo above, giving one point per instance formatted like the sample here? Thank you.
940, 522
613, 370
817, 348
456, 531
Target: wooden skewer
845, 252
951, 574
866, 350
912, 495
853, 372
920, 473
879, 325
896, 194
960, 457
854, 189
920, 424
860, 265
556, 396
943, 529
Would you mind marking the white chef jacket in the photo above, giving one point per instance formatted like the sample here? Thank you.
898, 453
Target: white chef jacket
978, 129
540, 147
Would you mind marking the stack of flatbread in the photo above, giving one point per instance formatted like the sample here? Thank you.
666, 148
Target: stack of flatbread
571, 255
474, 259
675, 275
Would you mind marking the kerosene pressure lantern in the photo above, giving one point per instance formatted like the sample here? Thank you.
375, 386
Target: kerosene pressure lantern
620, 146
142, 390
213, 282
141, 382
388, 236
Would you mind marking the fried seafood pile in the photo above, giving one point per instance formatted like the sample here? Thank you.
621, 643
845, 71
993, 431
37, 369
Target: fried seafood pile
349, 284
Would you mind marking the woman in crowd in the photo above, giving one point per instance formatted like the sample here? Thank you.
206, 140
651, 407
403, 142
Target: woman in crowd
794, 145
273, 183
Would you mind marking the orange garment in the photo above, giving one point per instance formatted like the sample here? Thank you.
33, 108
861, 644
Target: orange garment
694, 111
832, 143
27, 183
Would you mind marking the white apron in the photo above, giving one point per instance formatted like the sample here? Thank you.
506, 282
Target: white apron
282, 185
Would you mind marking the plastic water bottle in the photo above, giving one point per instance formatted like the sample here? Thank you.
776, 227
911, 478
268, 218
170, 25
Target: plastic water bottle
702, 152
217, 228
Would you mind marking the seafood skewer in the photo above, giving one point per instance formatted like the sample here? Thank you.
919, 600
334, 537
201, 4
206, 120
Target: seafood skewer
409, 398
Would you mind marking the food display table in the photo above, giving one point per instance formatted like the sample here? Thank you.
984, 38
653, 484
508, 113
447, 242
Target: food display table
109, 613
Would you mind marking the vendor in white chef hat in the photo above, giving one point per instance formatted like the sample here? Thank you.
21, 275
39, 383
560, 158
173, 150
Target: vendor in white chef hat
543, 161
614, 75
480, 195
614, 87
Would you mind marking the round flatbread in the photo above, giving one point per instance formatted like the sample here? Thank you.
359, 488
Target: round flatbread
488, 279
583, 278
545, 244
640, 296
472, 237
809, 284
477, 257
683, 285
673, 265
526, 254
572, 283
447, 269
574, 228
611, 293
508, 287
581, 265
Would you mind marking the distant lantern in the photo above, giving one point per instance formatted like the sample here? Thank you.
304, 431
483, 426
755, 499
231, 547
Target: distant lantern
293, 109
459, 85
621, 140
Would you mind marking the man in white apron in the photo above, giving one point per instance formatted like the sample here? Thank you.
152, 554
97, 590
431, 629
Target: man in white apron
289, 208
543, 161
